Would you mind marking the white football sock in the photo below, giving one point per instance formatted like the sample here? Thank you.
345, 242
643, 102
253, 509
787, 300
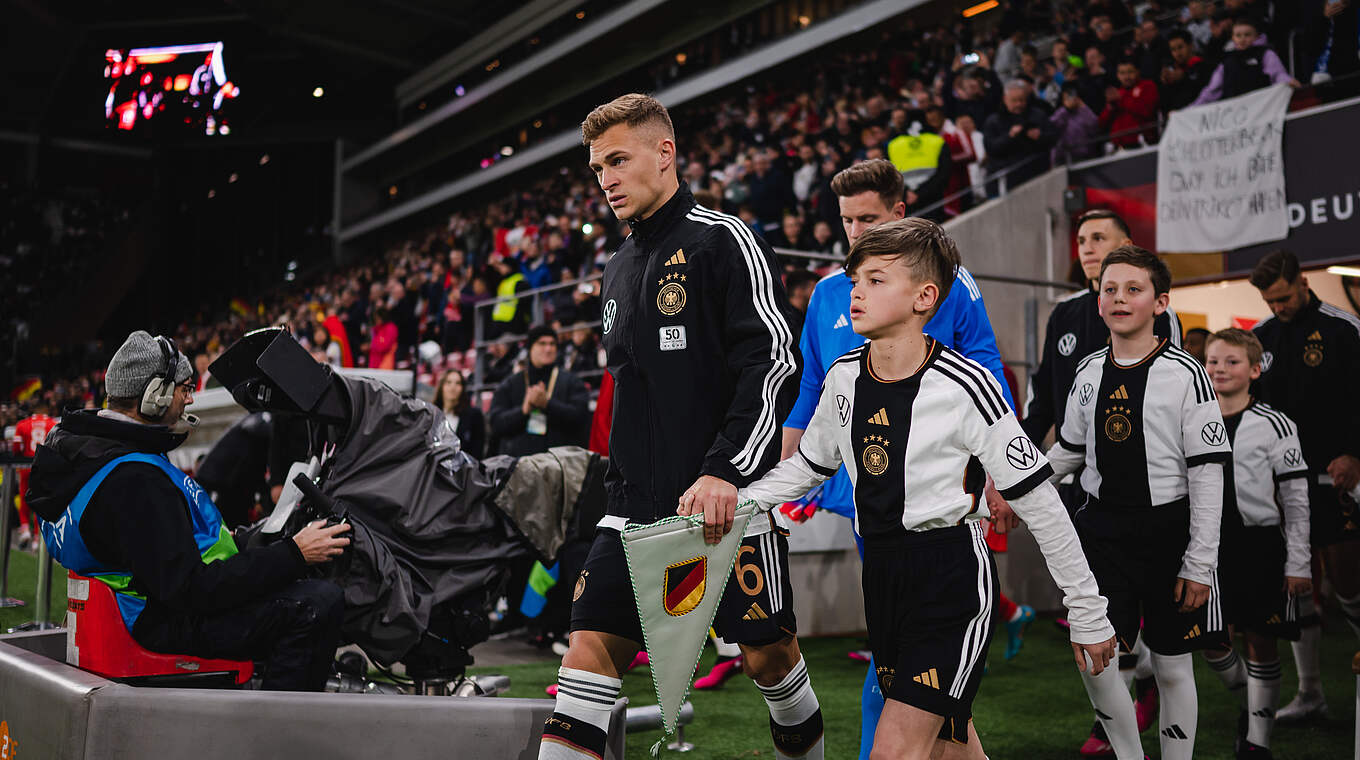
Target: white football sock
579, 726
795, 716
1307, 658
1114, 709
1179, 702
1263, 693
1144, 667
725, 650
1230, 670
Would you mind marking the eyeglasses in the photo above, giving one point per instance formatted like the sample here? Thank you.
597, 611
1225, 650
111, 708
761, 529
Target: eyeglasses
187, 387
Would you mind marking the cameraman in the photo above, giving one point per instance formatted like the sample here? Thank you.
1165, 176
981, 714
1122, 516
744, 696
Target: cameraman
114, 507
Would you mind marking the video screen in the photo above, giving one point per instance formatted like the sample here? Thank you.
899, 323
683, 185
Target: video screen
183, 82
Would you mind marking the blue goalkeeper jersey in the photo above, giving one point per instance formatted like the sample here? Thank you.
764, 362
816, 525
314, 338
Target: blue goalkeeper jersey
961, 324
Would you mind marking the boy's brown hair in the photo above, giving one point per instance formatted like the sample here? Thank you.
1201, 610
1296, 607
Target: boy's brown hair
1245, 339
922, 246
1143, 259
633, 109
875, 175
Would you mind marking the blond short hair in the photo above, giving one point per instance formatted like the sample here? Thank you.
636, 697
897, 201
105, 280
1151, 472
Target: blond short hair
634, 109
1245, 339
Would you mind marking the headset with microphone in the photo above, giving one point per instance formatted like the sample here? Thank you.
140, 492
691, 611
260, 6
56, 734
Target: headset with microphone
160, 390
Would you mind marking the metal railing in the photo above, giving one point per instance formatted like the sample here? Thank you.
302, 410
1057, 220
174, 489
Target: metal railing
42, 603
537, 315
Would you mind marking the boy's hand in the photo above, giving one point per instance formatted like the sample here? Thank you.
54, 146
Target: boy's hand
716, 500
1002, 516
1100, 655
1190, 594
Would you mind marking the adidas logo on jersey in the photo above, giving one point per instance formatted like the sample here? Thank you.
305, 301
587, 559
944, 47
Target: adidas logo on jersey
1194, 633
1174, 732
880, 419
755, 613
677, 258
1120, 393
1315, 336
841, 321
929, 678
1273, 620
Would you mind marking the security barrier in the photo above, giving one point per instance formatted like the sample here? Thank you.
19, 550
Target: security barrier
51, 710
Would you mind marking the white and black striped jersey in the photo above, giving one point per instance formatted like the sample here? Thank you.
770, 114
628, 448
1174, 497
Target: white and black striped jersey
1268, 479
1151, 435
918, 451
1141, 426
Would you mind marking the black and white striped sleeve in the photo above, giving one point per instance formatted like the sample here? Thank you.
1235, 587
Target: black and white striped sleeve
817, 459
758, 347
990, 431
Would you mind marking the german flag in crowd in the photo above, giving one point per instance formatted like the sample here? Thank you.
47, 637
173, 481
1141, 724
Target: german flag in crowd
240, 307
25, 389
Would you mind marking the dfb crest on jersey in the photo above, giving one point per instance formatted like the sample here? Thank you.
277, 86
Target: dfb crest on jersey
1118, 427
1213, 433
843, 409
685, 582
1020, 452
611, 310
1067, 344
1087, 391
1267, 359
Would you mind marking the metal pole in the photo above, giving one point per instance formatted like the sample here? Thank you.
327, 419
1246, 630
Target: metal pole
9, 472
43, 604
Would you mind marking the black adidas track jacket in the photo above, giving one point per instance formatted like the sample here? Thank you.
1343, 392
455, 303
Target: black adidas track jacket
704, 361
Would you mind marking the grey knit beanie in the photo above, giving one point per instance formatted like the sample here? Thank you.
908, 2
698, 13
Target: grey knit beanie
137, 361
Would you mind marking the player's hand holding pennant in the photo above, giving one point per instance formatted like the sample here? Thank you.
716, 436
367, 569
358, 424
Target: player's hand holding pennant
678, 580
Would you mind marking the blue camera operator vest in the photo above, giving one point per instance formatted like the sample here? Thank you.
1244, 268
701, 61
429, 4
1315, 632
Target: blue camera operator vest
66, 545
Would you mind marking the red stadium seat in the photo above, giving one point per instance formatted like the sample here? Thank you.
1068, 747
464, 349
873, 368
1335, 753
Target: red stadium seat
97, 641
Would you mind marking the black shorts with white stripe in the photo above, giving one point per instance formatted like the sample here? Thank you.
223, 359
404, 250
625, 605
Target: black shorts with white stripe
1251, 576
756, 608
1135, 554
930, 599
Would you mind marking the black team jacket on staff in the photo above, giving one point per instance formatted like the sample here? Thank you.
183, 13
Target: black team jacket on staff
1075, 331
705, 367
1310, 372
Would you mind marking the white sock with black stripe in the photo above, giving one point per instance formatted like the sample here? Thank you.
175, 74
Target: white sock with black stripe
579, 726
795, 715
1114, 709
1263, 693
1230, 670
1179, 702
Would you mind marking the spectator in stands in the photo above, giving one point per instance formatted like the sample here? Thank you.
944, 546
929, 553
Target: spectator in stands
1149, 52
798, 284
542, 406
1078, 128
790, 233
1095, 80
538, 269
975, 90
1185, 73
923, 158
1008, 53
382, 351
581, 354
401, 306
509, 317
1196, 339
451, 397
824, 240
805, 176
1018, 137
1330, 39
1251, 65
771, 190
1197, 22
1042, 75
123, 514
497, 362
1130, 114
1221, 25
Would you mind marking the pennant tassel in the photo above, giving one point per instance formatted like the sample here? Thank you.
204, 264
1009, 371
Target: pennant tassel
678, 581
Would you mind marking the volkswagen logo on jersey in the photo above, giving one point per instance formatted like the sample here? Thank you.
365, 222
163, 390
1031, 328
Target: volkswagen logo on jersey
1267, 359
1067, 344
1020, 452
843, 408
1293, 458
1213, 433
1087, 391
611, 310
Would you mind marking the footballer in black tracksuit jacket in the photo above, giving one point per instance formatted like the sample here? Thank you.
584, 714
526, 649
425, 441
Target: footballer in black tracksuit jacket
705, 364
1075, 331
1309, 371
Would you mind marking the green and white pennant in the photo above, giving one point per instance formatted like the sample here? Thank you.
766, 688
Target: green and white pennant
678, 581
